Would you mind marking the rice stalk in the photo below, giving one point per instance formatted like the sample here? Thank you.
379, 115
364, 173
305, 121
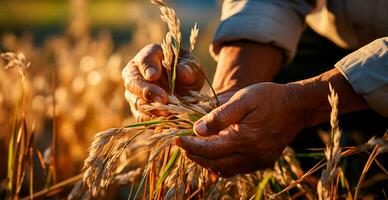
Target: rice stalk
326, 186
54, 189
20, 150
104, 154
54, 140
108, 145
378, 149
172, 43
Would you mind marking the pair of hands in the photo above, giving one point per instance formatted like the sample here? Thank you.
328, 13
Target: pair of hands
248, 132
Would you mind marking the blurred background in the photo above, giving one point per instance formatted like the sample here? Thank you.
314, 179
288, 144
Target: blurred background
77, 49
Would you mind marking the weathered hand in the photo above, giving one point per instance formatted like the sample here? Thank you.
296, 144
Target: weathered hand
146, 81
250, 131
247, 133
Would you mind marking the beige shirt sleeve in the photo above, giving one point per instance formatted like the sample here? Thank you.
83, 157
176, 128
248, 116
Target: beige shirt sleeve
367, 72
277, 22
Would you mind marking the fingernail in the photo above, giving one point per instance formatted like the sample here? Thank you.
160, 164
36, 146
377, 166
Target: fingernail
150, 72
189, 69
159, 99
200, 128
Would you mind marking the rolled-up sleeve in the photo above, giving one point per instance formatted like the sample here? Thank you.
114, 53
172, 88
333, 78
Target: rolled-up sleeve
367, 72
277, 22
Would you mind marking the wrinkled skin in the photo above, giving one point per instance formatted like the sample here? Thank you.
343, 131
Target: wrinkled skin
247, 133
146, 80
234, 72
251, 130
256, 121
240, 64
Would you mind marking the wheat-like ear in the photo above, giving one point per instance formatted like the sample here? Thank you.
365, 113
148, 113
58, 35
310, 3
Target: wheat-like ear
172, 43
158, 2
15, 60
326, 186
168, 53
193, 37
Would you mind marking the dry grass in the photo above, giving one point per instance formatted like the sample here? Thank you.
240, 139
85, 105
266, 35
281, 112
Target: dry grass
20, 148
87, 83
327, 185
171, 45
108, 146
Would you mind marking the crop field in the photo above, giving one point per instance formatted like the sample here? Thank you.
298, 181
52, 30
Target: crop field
66, 130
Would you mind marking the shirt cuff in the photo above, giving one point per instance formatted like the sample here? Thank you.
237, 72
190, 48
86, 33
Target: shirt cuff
377, 100
263, 22
367, 72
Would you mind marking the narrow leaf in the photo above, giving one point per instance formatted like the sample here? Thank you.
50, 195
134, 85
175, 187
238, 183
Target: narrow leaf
148, 123
168, 168
261, 186
210, 85
143, 178
311, 155
185, 133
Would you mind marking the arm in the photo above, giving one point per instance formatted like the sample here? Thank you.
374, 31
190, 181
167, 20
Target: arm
367, 72
244, 63
255, 39
360, 79
252, 129
312, 94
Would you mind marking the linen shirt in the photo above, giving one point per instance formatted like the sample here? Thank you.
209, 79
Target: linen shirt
350, 24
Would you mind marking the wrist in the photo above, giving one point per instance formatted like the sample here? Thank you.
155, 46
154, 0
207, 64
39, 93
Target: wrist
243, 63
312, 96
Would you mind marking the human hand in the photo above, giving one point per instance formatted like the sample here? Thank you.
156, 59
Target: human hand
146, 80
247, 133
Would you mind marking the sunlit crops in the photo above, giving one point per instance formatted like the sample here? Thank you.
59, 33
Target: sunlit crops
72, 89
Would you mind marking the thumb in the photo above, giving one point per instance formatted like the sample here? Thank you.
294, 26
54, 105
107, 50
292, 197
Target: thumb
149, 61
222, 117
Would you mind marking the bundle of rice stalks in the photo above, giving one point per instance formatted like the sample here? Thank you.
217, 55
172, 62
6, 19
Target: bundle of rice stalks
21, 146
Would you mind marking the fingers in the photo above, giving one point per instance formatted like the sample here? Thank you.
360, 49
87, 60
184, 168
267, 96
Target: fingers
135, 103
215, 146
135, 84
190, 73
222, 117
185, 73
149, 61
224, 167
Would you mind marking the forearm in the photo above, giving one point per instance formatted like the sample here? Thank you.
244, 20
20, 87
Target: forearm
313, 93
245, 63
